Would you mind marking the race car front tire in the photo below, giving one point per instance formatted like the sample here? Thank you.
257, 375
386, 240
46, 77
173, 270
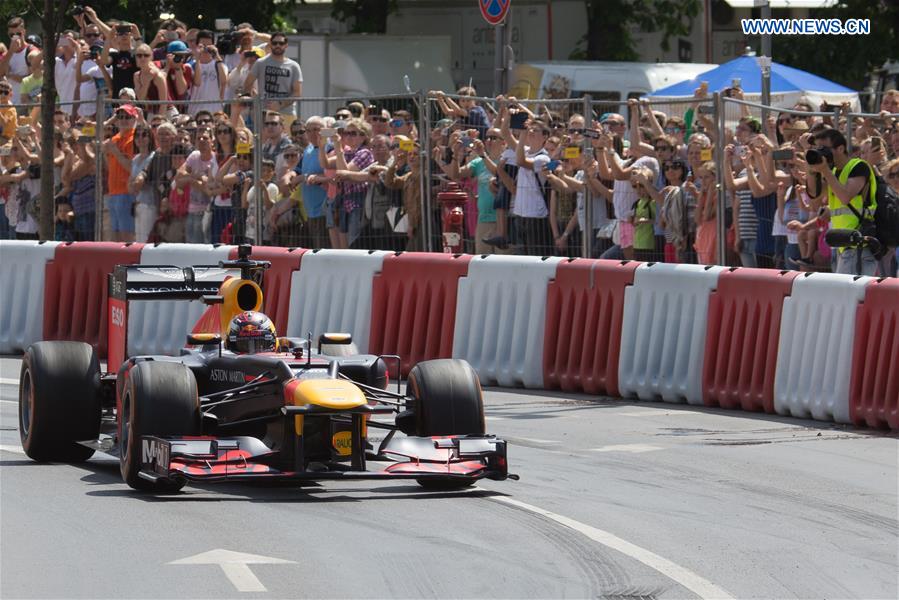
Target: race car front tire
59, 401
447, 398
159, 398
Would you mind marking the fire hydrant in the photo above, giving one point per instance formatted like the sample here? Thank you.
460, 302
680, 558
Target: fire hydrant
451, 201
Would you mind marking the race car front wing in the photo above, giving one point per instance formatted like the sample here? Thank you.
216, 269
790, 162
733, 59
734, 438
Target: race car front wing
205, 458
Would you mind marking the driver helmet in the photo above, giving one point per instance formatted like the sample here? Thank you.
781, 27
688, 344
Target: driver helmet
250, 333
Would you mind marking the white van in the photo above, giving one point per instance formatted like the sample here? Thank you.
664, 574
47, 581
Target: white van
608, 81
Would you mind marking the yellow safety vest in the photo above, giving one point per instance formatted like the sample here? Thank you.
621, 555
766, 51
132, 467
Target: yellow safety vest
841, 216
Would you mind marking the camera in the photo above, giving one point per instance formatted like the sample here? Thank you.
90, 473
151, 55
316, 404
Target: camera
226, 43
34, 171
814, 156
122, 29
179, 57
77, 10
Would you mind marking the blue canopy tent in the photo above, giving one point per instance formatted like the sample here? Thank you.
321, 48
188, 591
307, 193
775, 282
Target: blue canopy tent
788, 85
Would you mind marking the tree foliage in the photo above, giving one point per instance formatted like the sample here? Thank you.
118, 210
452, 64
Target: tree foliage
264, 15
609, 25
364, 16
844, 59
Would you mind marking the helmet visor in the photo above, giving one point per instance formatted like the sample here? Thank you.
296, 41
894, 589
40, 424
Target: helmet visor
252, 344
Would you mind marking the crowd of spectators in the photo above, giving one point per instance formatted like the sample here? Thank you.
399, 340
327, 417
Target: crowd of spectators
179, 150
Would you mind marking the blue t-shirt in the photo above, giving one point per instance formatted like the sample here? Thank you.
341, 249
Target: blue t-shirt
314, 196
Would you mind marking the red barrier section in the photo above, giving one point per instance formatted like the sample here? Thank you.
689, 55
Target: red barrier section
582, 340
874, 385
276, 282
742, 338
76, 290
413, 307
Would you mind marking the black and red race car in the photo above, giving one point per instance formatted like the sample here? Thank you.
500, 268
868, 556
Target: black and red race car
302, 412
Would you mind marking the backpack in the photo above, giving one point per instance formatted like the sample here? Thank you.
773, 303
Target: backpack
885, 220
886, 215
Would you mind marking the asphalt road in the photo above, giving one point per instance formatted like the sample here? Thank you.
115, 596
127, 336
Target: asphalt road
617, 500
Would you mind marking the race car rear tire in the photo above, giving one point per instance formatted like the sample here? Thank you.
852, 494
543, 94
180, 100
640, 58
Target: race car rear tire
59, 401
159, 398
448, 398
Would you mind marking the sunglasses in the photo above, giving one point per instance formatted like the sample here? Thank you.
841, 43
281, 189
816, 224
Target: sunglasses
204, 121
343, 116
290, 155
672, 130
220, 131
664, 148
378, 119
91, 35
282, 43
298, 131
493, 138
352, 133
5, 92
123, 116
143, 55
397, 123
272, 123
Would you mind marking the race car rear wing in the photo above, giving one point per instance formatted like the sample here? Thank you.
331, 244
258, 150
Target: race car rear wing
155, 282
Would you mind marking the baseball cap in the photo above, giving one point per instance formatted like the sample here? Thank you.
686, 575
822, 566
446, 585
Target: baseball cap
176, 46
128, 109
34, 40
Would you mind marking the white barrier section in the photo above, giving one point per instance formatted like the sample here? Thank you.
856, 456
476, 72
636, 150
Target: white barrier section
332, 293
22, 267
161, 326
814, 354
500, 318
663, 332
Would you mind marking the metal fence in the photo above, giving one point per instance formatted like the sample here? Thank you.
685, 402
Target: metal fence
387, 198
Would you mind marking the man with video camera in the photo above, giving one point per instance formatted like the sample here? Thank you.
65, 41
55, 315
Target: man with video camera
850, 188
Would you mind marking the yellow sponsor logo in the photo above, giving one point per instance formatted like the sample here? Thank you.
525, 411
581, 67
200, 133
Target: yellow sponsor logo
343, 442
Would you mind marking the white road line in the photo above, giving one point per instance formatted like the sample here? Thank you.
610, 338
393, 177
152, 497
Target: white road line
516, 438
9, 381
700, 586
486, 418
9, 401
8, 448
659, 412
633, 448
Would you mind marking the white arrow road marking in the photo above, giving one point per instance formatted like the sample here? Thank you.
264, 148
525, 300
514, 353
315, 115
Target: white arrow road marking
700, 586
235, 566
633, 448
8, 381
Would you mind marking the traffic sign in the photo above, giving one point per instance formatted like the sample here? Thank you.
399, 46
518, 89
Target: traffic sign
494, 11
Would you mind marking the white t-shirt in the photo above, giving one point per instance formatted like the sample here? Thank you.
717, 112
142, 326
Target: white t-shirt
208, 88
88, 91
197, 166
600, 216
18, 66
65, 83
530, 200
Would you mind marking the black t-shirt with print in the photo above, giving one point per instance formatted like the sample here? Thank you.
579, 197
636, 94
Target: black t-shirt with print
124, 66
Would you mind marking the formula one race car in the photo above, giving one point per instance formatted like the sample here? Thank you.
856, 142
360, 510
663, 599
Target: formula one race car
240, 403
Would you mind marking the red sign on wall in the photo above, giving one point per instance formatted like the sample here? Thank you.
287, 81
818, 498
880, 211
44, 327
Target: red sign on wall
494, 11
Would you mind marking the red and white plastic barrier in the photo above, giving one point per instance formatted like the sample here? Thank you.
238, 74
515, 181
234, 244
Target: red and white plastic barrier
814, 360
663, 332
809, 345
332, 292
500, 318
22, 272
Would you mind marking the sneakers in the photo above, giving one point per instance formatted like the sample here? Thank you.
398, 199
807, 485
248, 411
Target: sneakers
498, 241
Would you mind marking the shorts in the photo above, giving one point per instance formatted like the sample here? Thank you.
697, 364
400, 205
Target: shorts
121, 218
